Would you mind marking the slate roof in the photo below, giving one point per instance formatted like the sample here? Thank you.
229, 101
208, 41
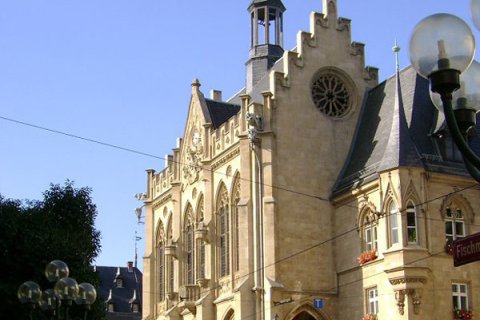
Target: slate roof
120, 296
220, 112
395, 128
271, 3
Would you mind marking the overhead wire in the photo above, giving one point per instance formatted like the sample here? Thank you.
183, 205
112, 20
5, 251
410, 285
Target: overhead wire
356, 228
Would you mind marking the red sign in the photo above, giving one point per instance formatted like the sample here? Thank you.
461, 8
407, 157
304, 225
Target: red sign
466, 250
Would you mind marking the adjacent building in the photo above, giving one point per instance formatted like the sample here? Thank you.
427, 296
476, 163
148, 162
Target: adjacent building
121, 289
314, 193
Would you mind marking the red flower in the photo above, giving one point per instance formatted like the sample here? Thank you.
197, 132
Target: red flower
366, 256
369, 316
462, 314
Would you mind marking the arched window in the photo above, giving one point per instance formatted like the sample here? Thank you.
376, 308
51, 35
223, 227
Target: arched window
394, 218
201, 242
370, 233
223, 225
454, 224
189, 247
412, 224
160, 263
235, 221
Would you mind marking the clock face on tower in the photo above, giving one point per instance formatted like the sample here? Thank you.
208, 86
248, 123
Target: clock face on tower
331, 94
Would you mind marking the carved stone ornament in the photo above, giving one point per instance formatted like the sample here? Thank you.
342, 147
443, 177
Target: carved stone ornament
331, 95
400, 297
193, 158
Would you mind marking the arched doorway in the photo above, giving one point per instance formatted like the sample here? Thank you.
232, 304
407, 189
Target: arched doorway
304, 315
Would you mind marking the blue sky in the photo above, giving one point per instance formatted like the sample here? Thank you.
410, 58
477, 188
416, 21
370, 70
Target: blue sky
119, 71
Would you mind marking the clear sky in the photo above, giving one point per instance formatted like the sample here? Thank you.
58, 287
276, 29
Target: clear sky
119, 71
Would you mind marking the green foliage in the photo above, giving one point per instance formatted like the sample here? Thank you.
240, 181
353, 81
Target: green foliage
32, 234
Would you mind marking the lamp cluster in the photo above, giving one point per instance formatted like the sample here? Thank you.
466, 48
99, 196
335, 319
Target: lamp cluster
66, 290
442, 48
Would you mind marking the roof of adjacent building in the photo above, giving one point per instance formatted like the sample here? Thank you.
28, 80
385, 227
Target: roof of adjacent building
220, 112
396, 128
121, 297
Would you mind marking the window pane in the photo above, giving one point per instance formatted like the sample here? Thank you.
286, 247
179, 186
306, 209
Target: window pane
448, 228
459, 229
411, 219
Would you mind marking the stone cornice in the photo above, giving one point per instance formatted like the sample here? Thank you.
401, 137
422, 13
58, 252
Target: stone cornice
223, 160
162, 201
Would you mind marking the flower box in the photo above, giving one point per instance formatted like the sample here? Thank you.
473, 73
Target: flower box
461, 314
449, 247
370, 317
366, 256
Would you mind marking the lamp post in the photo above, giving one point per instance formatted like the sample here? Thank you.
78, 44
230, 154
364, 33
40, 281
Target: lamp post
66, 290
442, 47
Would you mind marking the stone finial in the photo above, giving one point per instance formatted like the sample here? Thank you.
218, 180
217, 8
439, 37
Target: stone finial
330, 9
195, 85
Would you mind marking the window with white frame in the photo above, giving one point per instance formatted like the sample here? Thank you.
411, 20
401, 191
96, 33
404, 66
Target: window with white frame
370, 234
412, 228
454, 224
372, 300
460, 296
394, 224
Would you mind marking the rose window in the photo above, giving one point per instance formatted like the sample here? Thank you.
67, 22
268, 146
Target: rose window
331, 96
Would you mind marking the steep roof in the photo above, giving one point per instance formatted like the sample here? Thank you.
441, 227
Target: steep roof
132, 281
220, 112
395, 129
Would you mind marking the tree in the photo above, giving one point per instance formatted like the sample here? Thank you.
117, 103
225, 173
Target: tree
33, 233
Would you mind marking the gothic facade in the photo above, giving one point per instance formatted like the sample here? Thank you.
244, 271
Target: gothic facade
314, 193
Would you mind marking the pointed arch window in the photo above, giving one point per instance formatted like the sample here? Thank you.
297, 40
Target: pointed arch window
224, 233
189, 247
201, 241
370, 234
236, 227
394, 217
454, 224
160, 263
412, 224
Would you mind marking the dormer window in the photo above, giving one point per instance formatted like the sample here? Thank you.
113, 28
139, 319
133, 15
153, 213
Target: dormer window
110, 307
135, 307
119, 283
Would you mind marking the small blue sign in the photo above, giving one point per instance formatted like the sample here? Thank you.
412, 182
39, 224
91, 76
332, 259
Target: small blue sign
318, 303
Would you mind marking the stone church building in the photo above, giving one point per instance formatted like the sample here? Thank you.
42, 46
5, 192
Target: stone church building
315, 193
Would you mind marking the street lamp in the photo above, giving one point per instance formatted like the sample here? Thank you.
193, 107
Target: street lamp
66, 290
442, 47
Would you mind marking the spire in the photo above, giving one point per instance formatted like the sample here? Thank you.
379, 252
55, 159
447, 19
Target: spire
266, 44
400, 150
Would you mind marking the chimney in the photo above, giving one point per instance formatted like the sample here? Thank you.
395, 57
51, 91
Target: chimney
130, 266
216, 95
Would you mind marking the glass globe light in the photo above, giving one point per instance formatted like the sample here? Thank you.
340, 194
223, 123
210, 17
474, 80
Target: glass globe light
56, 270
86, 294
441, 41
475, 9
468, 96
66, 289
29, 292
48, 300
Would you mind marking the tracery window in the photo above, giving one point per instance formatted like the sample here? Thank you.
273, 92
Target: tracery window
224, 232
189, 246
160, 263
236, 242
201, 242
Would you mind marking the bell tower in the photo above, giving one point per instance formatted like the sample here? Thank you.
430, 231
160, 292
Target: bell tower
266, 46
